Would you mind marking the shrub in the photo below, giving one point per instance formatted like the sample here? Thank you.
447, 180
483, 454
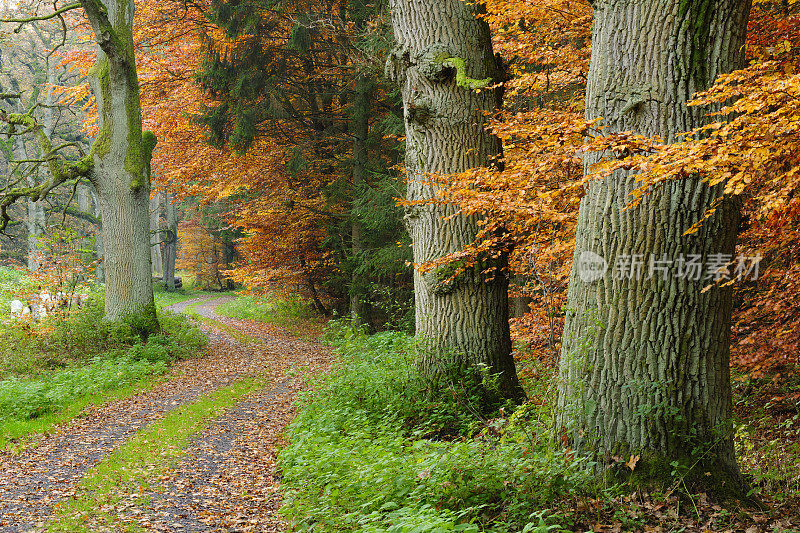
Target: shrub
25, 399
378, 447
29, 348
58, 360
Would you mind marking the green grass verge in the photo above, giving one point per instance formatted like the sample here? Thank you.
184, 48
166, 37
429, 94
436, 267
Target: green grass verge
165, 299
378, 447
135, 466
285, 311
230, 331
54, 368
13, 431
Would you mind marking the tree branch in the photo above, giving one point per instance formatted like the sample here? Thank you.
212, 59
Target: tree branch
61, 171
49, 16
82, 215
104, 32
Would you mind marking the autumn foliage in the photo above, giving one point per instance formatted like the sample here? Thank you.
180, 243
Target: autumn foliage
281, 191
530, 203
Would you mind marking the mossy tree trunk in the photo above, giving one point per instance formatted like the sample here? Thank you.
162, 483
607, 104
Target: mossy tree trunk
443, 54
644, 365
121, 158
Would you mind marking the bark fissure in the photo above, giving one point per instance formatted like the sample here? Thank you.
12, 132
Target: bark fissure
644, 362
445, 133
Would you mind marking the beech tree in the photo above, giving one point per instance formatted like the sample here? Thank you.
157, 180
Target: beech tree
442, 61
645, 357
117, 164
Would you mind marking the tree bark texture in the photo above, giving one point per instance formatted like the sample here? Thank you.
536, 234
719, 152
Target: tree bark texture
466, 318
644, 364
156, 236
121, 157
36, 218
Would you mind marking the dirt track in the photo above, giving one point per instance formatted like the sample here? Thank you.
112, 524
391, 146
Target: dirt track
226, 481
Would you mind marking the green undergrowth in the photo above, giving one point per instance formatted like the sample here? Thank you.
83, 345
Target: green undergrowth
281, 310
51, 369
13, 283
134, 468
768, 432
377, 447
13, 431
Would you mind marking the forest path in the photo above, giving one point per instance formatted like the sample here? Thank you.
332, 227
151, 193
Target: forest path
225, 480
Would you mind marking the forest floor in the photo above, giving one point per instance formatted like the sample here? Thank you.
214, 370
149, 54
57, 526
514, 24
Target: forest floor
194, 453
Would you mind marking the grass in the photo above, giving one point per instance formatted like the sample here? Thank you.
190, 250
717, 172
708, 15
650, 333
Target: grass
135, 466
289, 311
165, 298
51, 369
377, 447
12, 430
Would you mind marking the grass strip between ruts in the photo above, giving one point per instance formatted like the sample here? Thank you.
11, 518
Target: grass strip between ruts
135, 466
216, 324
13, 432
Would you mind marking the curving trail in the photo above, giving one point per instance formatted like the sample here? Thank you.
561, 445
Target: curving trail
226, 481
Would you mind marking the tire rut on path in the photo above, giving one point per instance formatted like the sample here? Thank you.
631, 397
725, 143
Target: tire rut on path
49, 471
227, 479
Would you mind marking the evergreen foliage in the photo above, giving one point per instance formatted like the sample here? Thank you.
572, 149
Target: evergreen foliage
293, 75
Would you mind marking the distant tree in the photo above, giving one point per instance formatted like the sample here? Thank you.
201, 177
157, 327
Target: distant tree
118, 163
301, 83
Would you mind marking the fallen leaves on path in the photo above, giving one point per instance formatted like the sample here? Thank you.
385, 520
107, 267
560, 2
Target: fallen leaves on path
226, 480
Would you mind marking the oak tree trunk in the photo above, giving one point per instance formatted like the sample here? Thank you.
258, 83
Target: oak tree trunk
442, 52
121, 157
644, 365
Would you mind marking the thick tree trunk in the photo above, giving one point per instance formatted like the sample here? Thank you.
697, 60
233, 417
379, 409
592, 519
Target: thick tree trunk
644, 365
466, 318
121, 158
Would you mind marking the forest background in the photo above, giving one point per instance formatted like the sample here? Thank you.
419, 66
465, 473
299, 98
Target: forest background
296, 183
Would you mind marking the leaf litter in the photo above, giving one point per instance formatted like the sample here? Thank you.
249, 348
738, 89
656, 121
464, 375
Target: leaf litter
226, 480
